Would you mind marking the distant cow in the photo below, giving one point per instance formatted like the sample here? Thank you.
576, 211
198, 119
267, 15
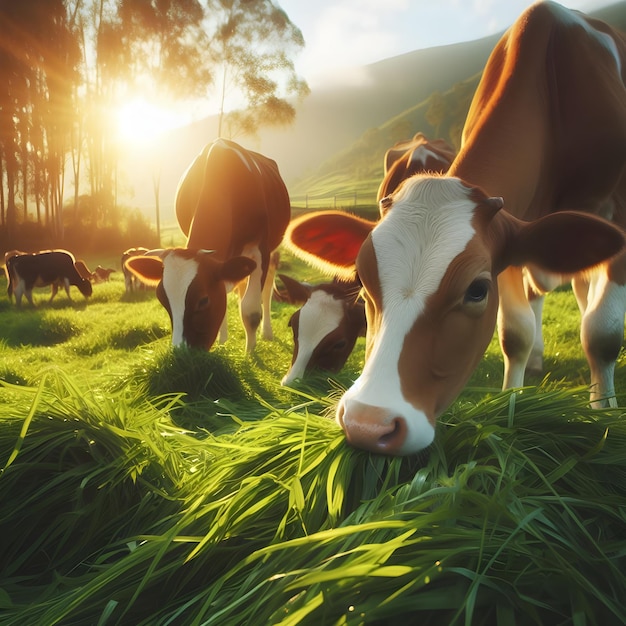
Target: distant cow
234, 207
414, 156
83, 270
326, 327
524, 204
131, 282
102, 274
51, 267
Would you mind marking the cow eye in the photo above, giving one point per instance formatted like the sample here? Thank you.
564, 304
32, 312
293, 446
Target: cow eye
203, 303
477, 291
340, 345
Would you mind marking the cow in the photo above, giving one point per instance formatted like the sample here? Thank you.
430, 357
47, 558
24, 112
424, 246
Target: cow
131, 282
326, 327
413, 156
83, 270
234, 207
102, 274
50, 267
541, 165
332, 317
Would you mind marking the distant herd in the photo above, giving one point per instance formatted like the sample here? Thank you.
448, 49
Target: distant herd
465, 242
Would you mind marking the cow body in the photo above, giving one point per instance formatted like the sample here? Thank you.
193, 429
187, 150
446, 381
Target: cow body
56, 268
545, 134
234, 207
131, 282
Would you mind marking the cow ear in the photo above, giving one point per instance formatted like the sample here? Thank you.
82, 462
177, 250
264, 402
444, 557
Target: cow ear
565, 242
297, 292
236, 269
148, 269
329, 240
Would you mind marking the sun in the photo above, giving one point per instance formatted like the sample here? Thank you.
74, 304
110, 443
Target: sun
139, 121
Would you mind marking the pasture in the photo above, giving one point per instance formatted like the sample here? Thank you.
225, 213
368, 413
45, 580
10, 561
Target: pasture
146, 486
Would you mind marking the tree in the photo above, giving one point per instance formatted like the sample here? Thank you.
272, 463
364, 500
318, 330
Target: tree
37, 62
252, 42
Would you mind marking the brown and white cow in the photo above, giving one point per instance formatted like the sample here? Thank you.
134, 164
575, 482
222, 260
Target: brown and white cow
56, 268
546, 132
234, 207
131, 282
326, 326
332, 317
414, 156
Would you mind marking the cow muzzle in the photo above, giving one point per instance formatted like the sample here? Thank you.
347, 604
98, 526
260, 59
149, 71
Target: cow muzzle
383, 431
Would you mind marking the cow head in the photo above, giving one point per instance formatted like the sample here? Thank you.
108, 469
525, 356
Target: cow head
192, 286
325, 328
429, 274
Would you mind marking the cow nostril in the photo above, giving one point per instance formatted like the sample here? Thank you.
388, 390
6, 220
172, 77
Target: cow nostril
391, 441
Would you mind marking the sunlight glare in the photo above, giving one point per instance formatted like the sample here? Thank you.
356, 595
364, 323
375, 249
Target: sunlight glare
140, 121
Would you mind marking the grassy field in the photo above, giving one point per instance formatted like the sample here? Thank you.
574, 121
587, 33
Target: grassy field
145, 485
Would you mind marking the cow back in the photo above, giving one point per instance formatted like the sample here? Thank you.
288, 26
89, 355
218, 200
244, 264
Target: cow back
230, 197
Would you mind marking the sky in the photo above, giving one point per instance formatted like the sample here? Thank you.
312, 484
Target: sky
340, 34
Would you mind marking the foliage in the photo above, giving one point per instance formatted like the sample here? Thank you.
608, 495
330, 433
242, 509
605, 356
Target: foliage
130, 229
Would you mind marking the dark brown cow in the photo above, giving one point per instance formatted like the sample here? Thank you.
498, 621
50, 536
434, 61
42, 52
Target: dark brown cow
414, 156
546, 131
50, 267
234, 207
102, 274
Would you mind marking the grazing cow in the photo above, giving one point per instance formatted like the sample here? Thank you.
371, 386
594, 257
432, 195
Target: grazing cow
326, 327
131, 282
414, 156
50, 267
234, 207
102, 274
546, 132
83, 270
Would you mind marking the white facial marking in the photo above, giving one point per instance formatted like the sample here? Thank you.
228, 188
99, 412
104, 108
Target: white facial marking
420, 155
178, 273
427, 227
320, 315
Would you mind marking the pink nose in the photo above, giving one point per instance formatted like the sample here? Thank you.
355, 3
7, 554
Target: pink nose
372, 428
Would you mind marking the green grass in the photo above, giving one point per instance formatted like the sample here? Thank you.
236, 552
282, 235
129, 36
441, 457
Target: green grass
149, 486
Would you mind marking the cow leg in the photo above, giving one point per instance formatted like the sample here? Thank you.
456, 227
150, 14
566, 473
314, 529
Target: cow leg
603, 305
516, 326
18, 290
223, 334
537, 283
66, 284
54, 288
268, 290
250, 305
